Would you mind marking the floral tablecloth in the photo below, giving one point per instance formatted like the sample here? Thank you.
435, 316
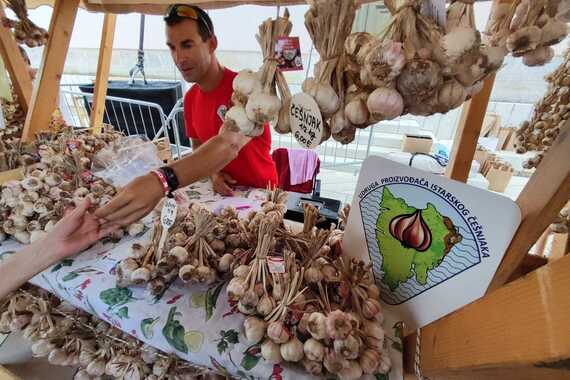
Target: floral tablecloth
195, 322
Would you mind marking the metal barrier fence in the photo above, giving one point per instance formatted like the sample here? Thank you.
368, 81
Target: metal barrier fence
138, 117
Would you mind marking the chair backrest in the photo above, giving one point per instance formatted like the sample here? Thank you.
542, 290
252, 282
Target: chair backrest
281, 158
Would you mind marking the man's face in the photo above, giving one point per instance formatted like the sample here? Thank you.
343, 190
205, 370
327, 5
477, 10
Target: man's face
190, 53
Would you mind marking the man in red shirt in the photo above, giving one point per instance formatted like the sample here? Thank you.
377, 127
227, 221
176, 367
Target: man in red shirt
192, 43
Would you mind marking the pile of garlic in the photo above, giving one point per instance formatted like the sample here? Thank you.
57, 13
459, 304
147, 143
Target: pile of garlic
314, 308
31, 207
67, 336
25, 31
199, 249
254, 98
529, 28
10, 135
549, 116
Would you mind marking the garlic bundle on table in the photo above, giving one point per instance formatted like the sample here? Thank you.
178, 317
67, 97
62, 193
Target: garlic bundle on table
67, 336
25, 31
549, 116
528, 28
255, 100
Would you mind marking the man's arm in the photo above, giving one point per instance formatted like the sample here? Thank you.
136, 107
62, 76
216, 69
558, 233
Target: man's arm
140, 196
195, 144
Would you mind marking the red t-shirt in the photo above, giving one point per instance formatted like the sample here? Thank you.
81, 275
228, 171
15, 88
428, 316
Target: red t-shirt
203, 117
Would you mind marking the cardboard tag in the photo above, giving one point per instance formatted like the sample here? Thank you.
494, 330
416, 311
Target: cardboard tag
434, 243
168, 214
288, 54
276, 264
306, 120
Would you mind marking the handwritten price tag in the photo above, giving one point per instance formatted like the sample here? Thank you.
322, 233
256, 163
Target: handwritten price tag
276, 264
168, 214
306, 120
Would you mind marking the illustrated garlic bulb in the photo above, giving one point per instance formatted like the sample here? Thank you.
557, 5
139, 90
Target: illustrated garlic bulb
539, 56
245, 83
292, 351
412, 231
262, 107
385, 103
323, 93
236, 120
271, 352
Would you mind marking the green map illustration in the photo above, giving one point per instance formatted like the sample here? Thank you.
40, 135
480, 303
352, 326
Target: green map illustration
401, 263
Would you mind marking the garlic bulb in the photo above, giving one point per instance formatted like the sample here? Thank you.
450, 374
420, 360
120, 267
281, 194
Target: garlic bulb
459, 42
254, 329
225, 262
356, 111
284, 118
333, 362
524, 40
292, 351
316, 326
338, 325
346, 135
385, 103
553, 32
369, 361
323, 93
236, 120
277, 332
451, 95
352, 372
262, 107
383, 62
348, 348
539, 56
313, 367
271, 352
353, 46
385, 362
419, 80
265, 305
314, 350
339, 121
245, 83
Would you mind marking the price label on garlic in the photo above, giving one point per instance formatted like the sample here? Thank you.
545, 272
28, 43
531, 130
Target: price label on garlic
306, 121
168, 214
276, 264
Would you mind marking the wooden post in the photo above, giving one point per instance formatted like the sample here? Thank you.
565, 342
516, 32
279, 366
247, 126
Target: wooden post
518, 332
467, 134
103, 67
46, 91
15, 64
545, 194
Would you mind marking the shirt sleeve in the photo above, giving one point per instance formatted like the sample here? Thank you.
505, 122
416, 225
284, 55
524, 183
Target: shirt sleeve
190, 130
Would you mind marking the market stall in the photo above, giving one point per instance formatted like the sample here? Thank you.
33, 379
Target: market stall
194, 323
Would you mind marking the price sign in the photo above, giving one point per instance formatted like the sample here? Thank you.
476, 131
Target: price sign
276, 264
168, 214
306, 120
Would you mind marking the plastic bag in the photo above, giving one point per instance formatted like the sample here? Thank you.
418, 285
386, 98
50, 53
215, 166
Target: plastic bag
126, 159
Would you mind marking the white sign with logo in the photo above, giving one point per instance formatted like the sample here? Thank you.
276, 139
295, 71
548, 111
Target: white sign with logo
434, 243
306, 120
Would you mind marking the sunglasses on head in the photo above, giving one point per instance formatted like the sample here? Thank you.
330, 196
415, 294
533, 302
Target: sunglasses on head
187, 11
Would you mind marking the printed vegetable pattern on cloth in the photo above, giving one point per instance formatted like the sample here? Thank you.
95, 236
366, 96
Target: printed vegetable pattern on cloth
195, 322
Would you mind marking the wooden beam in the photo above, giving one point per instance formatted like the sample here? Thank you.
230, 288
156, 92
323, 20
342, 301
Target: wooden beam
560, 246
467, 134
545, 194
103, 68
46, 91
15, 64
518, 332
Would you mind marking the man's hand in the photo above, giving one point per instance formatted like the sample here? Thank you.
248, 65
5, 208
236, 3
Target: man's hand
222, 183
133, 202
74, 233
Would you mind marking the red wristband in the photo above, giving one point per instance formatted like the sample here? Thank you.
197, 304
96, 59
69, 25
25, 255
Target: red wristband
162, 178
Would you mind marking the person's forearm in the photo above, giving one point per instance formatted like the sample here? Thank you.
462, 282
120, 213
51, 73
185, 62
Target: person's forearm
195, 144
21, 266
208, 159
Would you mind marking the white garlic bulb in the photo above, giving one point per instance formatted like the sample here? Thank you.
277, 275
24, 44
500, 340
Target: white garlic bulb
236, 120
246, 83
356, 111
271, 352
323, 93
352, 372
277, 332
460, 41
385, 103
292, 351
314, 350
451, 95
262, 107
254, 329
317, 326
